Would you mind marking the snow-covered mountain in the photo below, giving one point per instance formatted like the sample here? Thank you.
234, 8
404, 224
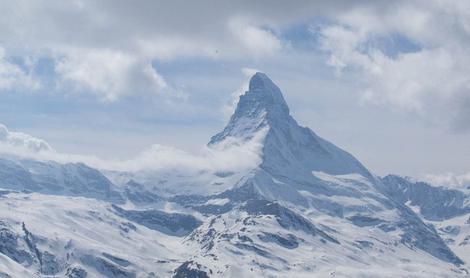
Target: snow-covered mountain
432, 203
445, 208
288, 148
308, 208
70, 179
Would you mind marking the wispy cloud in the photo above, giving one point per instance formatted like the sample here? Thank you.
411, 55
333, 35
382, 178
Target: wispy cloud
13, 77
258, 41
230, 155
449, 180
107, 73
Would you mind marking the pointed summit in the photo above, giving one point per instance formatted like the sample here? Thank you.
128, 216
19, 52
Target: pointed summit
257, 108
263, 92
288, 147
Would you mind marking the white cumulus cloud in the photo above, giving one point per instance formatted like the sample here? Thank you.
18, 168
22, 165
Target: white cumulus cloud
107, 73
429, 78
21, 142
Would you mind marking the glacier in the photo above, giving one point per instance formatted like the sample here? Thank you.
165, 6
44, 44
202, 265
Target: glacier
306, 208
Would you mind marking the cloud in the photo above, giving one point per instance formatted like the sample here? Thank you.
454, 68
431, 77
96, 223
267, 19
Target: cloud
258, 41
12, 76
230, 155
107, 73
453, 180
107, 48
429, 78
22, 142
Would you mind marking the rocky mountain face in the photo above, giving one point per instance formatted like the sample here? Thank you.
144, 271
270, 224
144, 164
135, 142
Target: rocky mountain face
434, 203
446, 209
307, 209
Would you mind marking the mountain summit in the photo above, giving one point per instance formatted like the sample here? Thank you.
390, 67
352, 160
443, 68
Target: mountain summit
261, 106
287, 146
263, 93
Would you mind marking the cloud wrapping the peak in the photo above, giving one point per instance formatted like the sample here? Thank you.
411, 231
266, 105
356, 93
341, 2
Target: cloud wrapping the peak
229, 155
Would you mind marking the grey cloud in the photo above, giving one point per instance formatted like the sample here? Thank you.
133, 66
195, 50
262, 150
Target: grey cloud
85, 38
432, 80
120, 24
461, 116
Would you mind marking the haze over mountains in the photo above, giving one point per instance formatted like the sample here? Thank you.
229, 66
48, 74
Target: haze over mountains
270, 199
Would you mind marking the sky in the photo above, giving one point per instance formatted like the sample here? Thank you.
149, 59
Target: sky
386, 80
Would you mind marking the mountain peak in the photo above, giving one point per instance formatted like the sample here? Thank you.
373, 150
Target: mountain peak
260, 80
264, 94
257, 108
263, 109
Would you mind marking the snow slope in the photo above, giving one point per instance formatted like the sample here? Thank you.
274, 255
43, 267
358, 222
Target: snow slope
447, 209
57, 235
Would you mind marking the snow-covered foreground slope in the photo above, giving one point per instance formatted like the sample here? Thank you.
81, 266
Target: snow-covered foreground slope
79, 237
306, 208
66, 236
